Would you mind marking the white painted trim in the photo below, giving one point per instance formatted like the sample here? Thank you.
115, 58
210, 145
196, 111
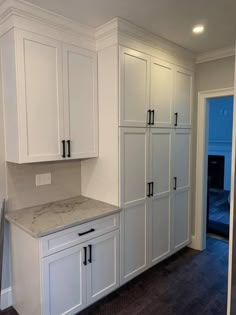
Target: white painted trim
29, 10
6, 298
122, 32
199, 240
232, 210
216, 54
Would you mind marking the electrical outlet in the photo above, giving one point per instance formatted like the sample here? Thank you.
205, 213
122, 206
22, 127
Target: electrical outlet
43, 179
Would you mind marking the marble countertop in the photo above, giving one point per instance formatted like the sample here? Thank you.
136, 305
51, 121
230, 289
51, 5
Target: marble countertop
45, 219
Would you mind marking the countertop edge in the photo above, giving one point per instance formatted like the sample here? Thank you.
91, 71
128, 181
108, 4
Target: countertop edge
61, 228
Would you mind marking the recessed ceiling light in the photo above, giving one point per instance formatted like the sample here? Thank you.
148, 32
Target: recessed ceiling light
198, 29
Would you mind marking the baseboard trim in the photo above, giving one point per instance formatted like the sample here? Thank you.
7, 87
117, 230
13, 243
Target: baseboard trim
6, 298
195, 244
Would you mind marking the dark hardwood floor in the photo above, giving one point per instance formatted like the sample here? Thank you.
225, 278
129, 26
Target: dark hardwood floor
219, 206
189, 283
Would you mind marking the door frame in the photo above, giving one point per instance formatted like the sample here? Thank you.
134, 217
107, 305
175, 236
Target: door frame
199, 239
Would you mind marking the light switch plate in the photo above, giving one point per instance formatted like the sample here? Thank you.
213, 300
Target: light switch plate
43, 179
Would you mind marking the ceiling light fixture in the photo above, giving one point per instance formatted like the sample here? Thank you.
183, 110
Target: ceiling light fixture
198, 29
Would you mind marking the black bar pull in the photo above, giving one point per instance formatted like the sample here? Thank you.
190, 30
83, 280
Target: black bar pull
152, 186
90, 254
176, 119
87, 232
85, 256
149, 114
175, 183
68, 143
63, 149
153, 117
149, 191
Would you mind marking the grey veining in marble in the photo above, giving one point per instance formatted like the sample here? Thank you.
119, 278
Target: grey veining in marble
42, 220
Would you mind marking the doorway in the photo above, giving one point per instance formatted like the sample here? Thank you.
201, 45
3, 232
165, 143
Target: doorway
200, 216
219, 151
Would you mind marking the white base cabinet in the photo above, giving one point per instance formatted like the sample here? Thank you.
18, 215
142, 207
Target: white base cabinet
61, 278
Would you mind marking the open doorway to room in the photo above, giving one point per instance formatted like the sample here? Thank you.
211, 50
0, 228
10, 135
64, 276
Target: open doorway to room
215, 165
219, 151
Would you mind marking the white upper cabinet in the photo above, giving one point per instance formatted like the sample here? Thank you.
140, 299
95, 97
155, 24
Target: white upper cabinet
183, 98
134, 87
162, 75
80, 99
41, 124
153, 92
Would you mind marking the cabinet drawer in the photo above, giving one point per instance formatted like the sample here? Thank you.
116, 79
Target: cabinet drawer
58, 241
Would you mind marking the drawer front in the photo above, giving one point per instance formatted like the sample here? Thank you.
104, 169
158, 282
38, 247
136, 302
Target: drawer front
58, 241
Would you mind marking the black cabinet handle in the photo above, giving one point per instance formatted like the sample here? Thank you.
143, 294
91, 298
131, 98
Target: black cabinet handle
63, 149
149, 114
153, 117
176, 119
175, 183
152, 186
90, 254
68, 143
149, 190
87, 232
85, 256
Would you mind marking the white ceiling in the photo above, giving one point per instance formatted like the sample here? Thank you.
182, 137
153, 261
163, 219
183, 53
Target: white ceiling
171, 19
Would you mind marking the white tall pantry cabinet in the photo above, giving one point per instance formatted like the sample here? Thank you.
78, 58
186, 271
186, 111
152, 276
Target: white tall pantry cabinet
145, 109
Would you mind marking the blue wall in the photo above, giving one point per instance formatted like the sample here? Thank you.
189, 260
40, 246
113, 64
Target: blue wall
220, 119
220, 124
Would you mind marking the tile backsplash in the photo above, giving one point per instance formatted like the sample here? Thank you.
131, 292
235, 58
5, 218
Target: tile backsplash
23, 192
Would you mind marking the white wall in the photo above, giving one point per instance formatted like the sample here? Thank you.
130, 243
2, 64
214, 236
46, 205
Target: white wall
212, 75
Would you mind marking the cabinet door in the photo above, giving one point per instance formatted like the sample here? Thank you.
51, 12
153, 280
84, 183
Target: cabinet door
41, 125
134, 87
181, 202
80, 99
103, 269
160, 228
133, 147
64, 282
162, 76
183, 98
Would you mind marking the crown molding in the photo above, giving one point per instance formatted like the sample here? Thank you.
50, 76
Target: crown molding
122, 32
216, 54
19, 10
